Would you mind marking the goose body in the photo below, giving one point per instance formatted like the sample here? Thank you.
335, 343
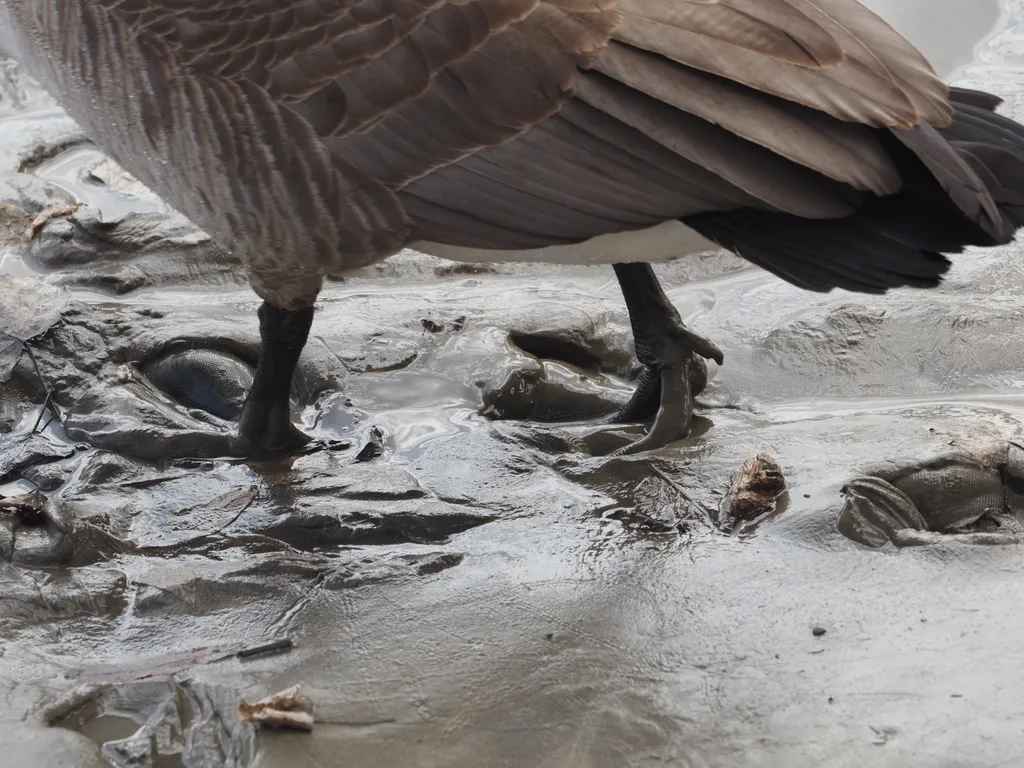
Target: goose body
312, 137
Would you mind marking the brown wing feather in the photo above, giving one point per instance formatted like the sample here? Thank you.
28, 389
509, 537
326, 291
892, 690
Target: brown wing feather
907, 65
478, 121
843, 151
776, 30
778, 98
859, 89
582, 164
318, 110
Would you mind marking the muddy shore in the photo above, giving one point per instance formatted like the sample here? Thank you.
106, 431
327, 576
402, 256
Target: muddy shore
467, 578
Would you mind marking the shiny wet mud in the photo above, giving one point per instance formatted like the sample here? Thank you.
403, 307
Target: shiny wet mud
467, 577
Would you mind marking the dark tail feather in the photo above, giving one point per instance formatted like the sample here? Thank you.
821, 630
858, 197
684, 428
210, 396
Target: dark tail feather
822, 254
962, 185
973, 98
973, 124
993, 146
935, 176
1003, 174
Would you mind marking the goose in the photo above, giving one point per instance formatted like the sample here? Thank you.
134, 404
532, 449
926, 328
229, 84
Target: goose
313, 137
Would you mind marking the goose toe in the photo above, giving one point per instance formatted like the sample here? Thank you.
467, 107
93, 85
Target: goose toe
673, 357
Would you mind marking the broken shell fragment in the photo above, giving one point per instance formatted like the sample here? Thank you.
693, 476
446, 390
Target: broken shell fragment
285, 709
752, 495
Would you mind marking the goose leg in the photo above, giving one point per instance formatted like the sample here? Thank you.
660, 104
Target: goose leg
672, 356
265, 425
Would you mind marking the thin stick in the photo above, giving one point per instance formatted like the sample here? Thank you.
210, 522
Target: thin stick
48, 400
278, 646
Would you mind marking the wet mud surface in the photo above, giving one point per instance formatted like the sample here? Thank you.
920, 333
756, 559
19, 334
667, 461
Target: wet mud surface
466, 574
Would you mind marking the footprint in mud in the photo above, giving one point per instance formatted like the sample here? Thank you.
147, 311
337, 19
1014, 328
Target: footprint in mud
207, 380
975, 498
560, 378
169, 399
551, 376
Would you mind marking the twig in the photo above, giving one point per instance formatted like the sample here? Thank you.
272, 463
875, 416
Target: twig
278, 646
672, 483
48, 402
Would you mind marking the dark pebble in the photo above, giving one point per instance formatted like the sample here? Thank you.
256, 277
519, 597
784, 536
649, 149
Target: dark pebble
818, 631
549, 635
374, 446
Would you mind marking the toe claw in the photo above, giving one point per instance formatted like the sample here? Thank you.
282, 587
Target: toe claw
693, 342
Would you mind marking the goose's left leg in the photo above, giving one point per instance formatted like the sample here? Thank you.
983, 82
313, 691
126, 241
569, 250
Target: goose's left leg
672, 356
265, 425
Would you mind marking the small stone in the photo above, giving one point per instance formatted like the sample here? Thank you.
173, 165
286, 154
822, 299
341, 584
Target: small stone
374, 445
818, 631
549, 635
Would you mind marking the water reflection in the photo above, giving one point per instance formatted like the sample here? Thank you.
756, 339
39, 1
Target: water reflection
414, 409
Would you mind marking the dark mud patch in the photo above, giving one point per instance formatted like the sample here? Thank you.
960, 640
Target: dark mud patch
21, 453
347, 521
323, 501
556, 348
649, 494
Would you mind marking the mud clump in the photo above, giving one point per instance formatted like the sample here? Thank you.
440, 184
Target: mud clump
974, 498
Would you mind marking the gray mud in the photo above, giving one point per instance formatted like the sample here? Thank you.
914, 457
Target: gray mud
467, 577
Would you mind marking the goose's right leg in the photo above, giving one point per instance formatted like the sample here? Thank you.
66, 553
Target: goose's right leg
672, 356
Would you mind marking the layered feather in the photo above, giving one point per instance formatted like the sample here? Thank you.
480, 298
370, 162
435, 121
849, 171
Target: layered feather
314, 136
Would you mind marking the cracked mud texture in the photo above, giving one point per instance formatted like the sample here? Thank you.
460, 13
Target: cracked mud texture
467, 576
